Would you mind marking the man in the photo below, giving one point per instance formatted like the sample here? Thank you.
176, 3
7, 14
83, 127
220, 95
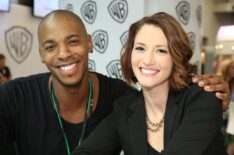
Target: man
51, 113
5, 73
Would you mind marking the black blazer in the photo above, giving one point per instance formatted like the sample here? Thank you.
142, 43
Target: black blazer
193, 120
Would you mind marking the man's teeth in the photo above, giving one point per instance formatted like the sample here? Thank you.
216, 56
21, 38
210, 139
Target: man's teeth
147, 71
68, 67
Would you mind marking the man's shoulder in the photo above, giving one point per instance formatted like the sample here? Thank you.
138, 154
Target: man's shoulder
35, 79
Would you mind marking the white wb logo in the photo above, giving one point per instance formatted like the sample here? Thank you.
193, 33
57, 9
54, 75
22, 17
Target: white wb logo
192, 40
114, 69
91, 66
198, 14
118, 10
183, 12
124, 38
69, 7
100, 41
19, 43
89, 11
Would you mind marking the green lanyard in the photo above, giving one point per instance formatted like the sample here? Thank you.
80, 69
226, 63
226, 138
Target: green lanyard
55, 103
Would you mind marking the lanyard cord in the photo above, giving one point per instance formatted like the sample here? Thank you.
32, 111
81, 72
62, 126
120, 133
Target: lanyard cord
55, 104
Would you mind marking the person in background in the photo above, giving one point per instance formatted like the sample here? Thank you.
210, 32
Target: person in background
170, 115
52, 113
5, 73
231, 87
226, 69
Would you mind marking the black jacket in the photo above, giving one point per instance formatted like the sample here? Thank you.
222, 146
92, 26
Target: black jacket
192, 126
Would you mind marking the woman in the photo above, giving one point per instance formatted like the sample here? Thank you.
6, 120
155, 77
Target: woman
170, 115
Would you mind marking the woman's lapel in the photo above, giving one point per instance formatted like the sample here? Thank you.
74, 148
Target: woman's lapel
137, 127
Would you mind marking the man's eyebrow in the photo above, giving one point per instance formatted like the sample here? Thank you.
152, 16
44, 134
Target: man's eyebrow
47, 41
73, 35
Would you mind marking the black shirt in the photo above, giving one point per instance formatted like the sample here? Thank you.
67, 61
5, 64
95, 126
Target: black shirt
27, 114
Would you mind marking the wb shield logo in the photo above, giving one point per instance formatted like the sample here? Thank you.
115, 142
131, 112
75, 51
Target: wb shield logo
19, 43
69, 7
192, 40
183, 12
118, 10
114, 69
124, 38
100, 41
198, 14
89, 11
91, 66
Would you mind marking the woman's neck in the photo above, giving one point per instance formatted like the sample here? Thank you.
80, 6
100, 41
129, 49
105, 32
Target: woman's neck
156, 99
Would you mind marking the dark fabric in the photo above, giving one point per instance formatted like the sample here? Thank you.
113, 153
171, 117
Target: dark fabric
8, 149
152, 151
27, 114
5, 72
192, 125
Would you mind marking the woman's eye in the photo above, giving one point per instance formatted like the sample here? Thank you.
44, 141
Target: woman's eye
161, 51
139, 48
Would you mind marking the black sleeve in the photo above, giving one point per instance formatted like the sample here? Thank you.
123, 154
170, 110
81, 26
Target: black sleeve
199, 128
6, 123
103, 141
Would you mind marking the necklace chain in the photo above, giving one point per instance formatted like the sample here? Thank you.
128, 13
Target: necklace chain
88, 109
154, 127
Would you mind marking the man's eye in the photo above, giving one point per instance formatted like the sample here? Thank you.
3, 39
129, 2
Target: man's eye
74, 42
49, 48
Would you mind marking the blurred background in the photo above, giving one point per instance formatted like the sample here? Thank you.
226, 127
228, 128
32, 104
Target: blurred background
209, 24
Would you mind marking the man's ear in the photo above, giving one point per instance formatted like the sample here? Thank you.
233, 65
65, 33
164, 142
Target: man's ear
41, 58
90, 44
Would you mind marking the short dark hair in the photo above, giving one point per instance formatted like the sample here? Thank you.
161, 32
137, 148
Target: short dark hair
178, 45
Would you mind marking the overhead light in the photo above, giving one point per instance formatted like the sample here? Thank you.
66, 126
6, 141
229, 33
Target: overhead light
225, 33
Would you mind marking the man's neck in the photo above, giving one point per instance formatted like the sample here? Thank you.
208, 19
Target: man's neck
71, 97
71, 100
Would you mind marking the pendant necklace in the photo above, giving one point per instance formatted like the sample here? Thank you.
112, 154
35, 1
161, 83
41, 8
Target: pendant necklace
154, 127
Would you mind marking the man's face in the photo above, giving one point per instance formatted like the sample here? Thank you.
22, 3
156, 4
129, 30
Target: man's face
64, 48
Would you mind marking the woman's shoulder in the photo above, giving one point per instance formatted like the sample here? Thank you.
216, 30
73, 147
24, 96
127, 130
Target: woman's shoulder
194, 94
129, 102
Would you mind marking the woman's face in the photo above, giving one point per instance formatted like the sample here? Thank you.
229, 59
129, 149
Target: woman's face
151, 61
